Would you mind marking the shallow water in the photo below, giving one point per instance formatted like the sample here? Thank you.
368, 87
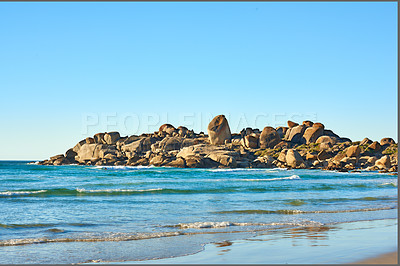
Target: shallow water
151, 212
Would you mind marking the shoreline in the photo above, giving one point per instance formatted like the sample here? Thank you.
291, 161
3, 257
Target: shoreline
342, 243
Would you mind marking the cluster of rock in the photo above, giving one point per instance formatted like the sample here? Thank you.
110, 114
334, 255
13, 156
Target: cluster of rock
308, 145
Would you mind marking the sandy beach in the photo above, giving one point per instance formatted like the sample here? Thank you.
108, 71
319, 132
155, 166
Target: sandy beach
387, 258
346, 243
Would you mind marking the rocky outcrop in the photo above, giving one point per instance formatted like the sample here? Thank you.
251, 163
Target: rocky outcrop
219, 131
308, 145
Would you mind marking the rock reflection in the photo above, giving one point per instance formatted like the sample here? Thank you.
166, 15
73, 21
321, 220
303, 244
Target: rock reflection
317, 235
223, 244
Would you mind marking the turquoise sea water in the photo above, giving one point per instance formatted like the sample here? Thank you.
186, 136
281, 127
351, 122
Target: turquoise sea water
75, 214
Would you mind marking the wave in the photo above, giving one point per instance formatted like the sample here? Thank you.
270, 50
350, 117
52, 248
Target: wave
103, 237
11, 226
268, 170
211, 190
271, 179
39, 225
110, 237
202, 225
123, 167
21, 192
82, 190
303, 212
388, 184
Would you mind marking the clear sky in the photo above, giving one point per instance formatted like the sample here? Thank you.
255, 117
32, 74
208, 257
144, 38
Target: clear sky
70, 70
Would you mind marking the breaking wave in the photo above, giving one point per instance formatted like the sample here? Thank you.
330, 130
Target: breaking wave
303, 212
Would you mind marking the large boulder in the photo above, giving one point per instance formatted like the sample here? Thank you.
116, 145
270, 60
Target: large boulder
308, 123
167, 128
375, 146
167, 144
139, 146
269, 138
311, 134
178, 162
90, 140
219, 131
353, 151
219, 154
293, 159
182, 131
111, 137
99, 138
291, 124
91, 152
330, 133
251, 141
323, 155
383, 163
61, 161
223, 159
296, 134
159, 160
77, 147
70, 155
197, 161
263, 162
366, 141
385, 141
282, 156
281, 131
318, 125
326, 139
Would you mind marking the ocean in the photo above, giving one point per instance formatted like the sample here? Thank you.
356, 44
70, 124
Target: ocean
83, 214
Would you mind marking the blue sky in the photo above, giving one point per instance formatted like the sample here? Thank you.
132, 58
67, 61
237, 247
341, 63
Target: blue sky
70, 70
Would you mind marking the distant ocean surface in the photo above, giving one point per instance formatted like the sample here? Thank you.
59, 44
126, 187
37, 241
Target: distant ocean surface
75, 214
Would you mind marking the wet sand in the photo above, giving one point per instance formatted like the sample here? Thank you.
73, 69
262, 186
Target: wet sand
388, 258
345, 243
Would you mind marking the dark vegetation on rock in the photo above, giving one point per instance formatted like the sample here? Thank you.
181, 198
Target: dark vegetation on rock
307, 145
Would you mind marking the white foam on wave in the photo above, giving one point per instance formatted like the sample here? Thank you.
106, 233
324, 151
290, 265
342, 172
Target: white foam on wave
202, 225
269, 170
11, 193
110, 237
292, 177
393, 184
235, 169
82, 190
